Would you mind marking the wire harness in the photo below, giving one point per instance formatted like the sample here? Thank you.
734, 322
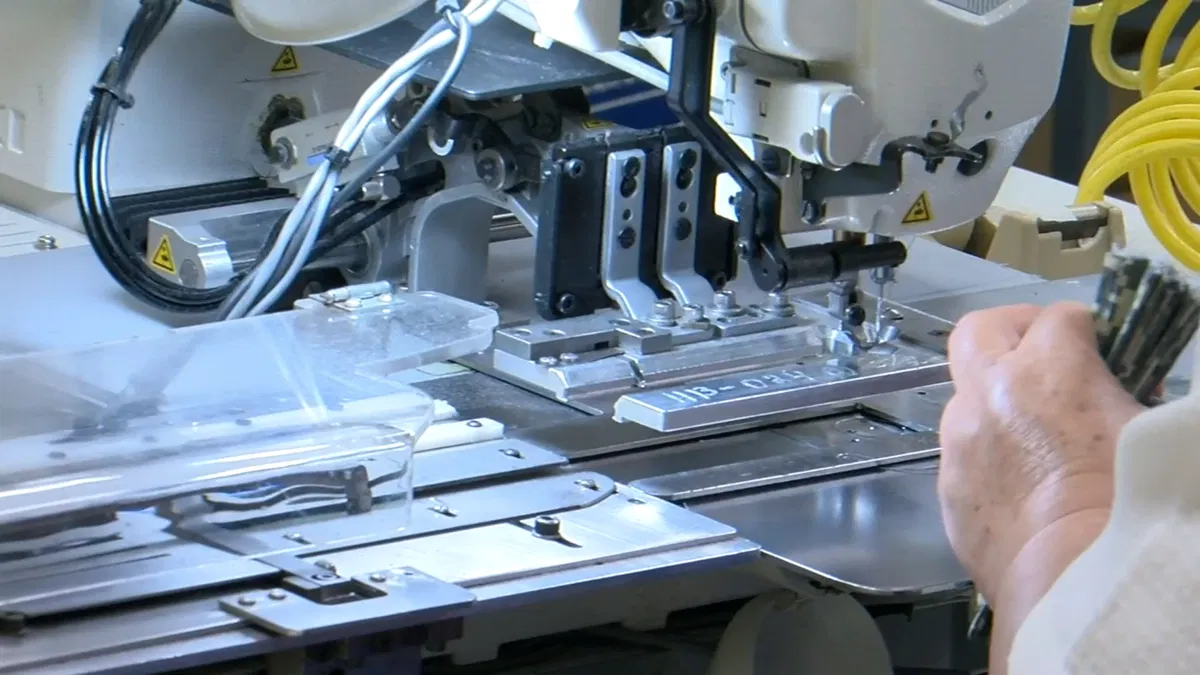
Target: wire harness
326, 214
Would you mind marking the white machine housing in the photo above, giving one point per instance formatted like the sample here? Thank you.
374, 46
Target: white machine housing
201, 93
833, 82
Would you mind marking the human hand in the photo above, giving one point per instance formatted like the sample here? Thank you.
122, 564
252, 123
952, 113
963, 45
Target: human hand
1028, 442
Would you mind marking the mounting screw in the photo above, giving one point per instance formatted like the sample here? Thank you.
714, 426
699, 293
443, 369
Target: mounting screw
856, 315
547, 527
277, 595
326, 565
13, 623
779, 304
632, 166
683, 229
574, 168
587, 484
512, 452
693, 314
45, 243
664, 313
378, 578
565, 303
548, 361
680, 11
627, 238
282, 154
568, 358
725, 300
247, 601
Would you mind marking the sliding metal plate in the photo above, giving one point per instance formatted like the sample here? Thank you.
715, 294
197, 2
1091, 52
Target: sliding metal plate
765, 393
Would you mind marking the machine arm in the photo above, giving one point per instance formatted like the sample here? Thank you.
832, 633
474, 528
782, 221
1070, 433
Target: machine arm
693, 26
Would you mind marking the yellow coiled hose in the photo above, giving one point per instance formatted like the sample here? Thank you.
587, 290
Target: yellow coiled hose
1156, 142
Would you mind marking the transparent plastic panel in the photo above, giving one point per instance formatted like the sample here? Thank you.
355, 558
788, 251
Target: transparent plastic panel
254, 438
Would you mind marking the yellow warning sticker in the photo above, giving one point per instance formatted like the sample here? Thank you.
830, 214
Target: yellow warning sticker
163, 258
592, 124
920, 212
287, 62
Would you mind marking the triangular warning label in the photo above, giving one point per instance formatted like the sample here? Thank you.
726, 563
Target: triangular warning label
163, 258
287, 61
920, 212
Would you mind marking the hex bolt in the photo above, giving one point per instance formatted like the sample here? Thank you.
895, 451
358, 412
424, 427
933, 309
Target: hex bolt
725, 300
664, 313
693, 313
547, 527
780, 304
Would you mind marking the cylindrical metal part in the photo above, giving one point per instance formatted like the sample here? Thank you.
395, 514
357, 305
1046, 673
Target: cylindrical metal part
822, 263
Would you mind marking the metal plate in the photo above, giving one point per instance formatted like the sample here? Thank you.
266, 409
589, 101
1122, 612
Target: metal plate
406, 598
503, 60
765, 393
878, 448
627, 524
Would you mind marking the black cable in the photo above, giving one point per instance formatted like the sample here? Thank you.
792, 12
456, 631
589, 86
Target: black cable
345, 196
100, 219
93, 197
410, 192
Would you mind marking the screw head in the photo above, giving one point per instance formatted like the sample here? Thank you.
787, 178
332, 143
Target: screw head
565, 303
725, 300
277, 595
780, 304
247, 601
627, 238
546, 526
45, 243
574, 168
378, 578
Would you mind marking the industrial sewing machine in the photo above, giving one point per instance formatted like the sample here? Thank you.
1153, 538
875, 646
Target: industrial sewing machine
680, 378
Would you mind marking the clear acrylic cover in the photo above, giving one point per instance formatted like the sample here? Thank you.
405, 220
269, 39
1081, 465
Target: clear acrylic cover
254, 437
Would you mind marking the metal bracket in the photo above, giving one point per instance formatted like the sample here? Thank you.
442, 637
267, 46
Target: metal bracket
400, 597
624, 214
680, 220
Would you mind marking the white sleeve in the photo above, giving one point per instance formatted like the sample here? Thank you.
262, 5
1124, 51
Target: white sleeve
1131, 602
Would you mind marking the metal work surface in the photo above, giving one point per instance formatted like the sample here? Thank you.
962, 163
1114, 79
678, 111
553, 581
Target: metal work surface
841, 492
503, 60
